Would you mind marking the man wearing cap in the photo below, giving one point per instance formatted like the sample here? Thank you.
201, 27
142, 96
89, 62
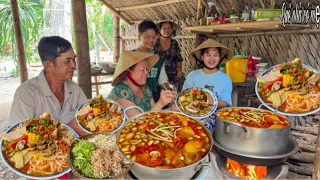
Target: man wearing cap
52, 90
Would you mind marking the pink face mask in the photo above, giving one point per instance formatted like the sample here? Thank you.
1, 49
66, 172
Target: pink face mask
129, 75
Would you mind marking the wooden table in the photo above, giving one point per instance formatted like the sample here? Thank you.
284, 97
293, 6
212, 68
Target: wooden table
97, 82
250, 82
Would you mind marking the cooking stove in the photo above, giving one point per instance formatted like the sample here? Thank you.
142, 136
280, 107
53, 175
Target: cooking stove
220, 171
276, 166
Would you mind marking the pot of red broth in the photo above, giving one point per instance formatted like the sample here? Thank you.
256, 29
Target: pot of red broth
252, 131
164, 145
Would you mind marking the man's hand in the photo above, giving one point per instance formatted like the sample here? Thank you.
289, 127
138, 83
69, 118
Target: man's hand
74, 125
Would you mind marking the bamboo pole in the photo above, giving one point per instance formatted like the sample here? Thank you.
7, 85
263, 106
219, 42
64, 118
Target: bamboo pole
123, 43
116, 34
116, 12
19, 41
235, 25
304, 31
316, 167
199, 10
82, 46
143, 6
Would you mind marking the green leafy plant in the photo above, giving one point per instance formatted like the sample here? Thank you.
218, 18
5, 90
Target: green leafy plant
102, 18
31, 19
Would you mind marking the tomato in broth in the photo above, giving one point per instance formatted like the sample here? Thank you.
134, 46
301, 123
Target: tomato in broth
164, 140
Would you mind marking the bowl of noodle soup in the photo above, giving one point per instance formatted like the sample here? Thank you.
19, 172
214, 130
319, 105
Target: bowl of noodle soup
45, 152
100, 115
197, 102
95, 156
298, 99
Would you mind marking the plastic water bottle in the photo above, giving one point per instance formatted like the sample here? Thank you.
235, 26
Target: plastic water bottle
245, 13
252, 12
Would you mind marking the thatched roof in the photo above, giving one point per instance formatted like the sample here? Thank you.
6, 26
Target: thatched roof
137, 10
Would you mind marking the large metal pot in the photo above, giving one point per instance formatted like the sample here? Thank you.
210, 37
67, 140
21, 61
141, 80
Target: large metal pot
145, 172
249, 140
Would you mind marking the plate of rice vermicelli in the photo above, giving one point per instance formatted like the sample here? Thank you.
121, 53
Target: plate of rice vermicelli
96, 156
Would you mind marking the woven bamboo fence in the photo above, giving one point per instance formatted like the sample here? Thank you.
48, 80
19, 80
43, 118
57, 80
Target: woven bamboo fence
273, 49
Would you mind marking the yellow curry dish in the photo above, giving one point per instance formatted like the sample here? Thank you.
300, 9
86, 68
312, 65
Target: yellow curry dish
100, 115
38, 146
196, 102
291, 87
164, 140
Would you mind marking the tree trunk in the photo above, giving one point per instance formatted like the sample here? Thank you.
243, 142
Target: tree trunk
300, 169
303, 157
308, 130
292, 175
82, 46
316, 167
19, 41
306, 147
309, 138
116, 34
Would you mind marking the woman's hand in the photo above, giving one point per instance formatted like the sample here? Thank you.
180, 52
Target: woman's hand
166, 97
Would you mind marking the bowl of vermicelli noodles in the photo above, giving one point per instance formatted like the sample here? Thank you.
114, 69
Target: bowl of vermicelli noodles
100, 115
38, 147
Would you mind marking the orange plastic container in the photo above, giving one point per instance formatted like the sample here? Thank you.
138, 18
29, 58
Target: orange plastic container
237, 69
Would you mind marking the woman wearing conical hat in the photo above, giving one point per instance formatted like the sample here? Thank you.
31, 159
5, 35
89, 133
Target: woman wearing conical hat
169, 50
129, 83
208, 56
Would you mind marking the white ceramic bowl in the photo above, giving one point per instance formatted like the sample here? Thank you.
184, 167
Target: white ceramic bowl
270, 107
113, 131
195, 116
6, 162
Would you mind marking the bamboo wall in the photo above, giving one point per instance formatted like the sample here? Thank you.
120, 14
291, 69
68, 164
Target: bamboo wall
273, 49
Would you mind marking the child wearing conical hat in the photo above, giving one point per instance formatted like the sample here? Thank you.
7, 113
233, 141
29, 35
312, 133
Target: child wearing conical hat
208, 56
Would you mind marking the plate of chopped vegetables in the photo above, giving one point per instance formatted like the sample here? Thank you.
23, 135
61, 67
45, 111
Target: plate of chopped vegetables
95, 156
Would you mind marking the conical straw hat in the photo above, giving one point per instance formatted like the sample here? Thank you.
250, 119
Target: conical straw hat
174, 26
207, 44
130, 58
